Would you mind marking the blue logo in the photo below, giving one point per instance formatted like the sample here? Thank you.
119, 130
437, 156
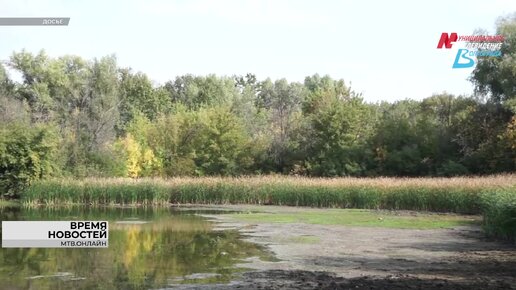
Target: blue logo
462, 54
476, 46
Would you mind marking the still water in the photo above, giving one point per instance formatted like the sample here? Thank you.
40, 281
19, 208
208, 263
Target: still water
149, 248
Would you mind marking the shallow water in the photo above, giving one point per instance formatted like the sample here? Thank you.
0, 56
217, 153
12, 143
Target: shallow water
148, 248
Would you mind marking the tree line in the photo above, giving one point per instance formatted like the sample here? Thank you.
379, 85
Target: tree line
75, 117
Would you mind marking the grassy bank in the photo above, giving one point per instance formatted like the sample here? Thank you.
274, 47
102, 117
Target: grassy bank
492, 196
362, 218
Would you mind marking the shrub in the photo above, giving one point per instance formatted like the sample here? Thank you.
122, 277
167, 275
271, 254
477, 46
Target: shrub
452, 168
26, 154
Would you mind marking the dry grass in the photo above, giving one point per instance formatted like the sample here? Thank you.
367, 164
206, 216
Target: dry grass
473, 182
493, 196
439, 194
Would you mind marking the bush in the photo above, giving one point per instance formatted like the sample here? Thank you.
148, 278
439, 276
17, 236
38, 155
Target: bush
452, 168
26, 154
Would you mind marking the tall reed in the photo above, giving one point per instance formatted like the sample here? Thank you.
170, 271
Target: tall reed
493, 196
461, 194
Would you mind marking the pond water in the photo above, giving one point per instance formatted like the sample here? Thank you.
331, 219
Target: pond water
149, 248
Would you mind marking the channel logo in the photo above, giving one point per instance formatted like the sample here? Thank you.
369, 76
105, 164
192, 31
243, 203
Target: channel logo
474, 46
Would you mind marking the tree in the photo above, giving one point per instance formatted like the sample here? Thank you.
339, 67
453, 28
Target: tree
398, 146
36, 72
337, 137
111, 121
496, 76
12, 109
196, 91
80, 96
443, 115
138, 95
5, 83
322, 91
27, 153
222, 145
480, 135
139, 161
281, 101
495, 80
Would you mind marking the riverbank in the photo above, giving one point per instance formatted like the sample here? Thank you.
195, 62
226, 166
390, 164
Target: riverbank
318, 255
266, 247
492, 196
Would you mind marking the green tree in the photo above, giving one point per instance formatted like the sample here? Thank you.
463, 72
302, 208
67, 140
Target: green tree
222, 144
27, 153
399, 148
197, 91
495, 77
495, 82
281, 102
335, 142
138, 95
80, 96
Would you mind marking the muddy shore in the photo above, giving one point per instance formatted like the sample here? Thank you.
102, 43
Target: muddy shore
313, 256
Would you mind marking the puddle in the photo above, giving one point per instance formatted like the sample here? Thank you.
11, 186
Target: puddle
149, 248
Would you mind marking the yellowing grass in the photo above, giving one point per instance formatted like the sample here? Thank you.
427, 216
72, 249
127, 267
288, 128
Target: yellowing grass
502, 180
439, 194
493, 196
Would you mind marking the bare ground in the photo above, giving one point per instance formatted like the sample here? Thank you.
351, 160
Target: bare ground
340, 257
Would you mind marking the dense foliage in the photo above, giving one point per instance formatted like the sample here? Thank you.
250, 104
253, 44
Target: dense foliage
26, 154
92, 118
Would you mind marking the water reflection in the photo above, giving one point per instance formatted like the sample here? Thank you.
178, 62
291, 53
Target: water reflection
148, 248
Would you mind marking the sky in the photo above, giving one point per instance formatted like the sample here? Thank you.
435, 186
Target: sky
386, 50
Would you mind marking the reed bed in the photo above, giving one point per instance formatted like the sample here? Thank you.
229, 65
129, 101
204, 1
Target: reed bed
459, 194
493, 196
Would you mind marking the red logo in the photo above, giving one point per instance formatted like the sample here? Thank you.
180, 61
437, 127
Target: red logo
447, 40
